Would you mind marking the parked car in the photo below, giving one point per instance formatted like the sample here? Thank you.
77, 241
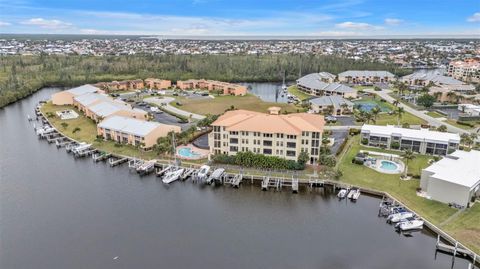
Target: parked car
330, 118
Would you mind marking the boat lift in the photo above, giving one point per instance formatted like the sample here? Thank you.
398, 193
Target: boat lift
146, 167
114, 161
163, 170
134, 163
217, 176
100, 156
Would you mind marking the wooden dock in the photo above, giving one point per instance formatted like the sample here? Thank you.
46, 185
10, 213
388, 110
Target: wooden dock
113, 161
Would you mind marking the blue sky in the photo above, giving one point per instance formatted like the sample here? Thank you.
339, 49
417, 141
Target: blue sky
244, 17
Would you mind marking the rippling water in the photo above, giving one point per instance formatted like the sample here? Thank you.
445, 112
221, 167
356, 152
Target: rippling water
58, 212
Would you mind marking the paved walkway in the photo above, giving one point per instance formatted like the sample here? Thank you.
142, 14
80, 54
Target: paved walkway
165, 103
431, 120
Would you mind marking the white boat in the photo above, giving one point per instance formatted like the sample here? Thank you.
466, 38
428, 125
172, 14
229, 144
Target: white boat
82, 146
410, 225
399, 216
203, 172
342, 193
146, 167
350, 193
356, 195
172, 176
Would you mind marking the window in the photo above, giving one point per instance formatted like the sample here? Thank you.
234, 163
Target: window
291, 145
233, 148
267, 151
291, 153
267, 143
267, 135
279, 135
233, 140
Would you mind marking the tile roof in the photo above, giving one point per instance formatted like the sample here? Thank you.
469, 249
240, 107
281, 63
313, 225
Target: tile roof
313, 81
244, 120
334, 100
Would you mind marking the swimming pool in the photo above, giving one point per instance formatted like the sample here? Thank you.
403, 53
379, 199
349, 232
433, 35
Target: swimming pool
388, 166
189, 153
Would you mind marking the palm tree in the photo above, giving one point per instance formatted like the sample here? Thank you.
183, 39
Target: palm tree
400, 111
375, 111
451, 95
466, 139
367, 116
345, 108
407, 155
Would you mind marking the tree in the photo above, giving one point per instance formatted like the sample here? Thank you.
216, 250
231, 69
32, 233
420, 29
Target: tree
375, 111
303, 157
426, 100
407, 155
400, 111
442, 128
396, 102
466, 139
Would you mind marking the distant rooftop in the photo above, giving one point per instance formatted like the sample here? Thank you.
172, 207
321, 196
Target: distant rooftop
129, 125
422, 134
435, 78
334, 100
313, 81
83, 89
366, 73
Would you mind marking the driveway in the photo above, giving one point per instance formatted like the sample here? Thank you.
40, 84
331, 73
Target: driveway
165, 103
431, 121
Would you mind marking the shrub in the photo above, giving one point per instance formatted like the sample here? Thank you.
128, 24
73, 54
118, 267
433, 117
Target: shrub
354, 131
364, 141
395, 145
465, 123
76, 129
250, 159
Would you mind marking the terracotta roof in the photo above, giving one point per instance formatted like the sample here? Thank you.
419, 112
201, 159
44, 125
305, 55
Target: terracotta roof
244, 120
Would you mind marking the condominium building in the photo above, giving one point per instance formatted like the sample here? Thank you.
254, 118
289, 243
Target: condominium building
424, 79
333, 104
66, 97
270, 134
212, 85
467, 70
133, 131
125, 85
421, 141
100, 106
314, 84
365, 77
158, 84
453, 179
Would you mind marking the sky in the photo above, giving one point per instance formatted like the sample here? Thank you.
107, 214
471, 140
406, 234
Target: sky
329, 18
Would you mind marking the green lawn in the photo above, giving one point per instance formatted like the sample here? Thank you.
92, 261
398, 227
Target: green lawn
385, 118
219, 104
435, 114
465, 127
466, 228
293, 90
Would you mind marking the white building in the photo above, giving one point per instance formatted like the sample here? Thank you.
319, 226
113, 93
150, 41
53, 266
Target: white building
421, 141
470, 109
453, 179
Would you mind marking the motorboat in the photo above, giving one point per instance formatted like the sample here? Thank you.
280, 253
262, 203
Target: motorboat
350, 194
356, 195
410, 225
172, 176
342, 193
203, 172
397, 217
216, 176
146, 167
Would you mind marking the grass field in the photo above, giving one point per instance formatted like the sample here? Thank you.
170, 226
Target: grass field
434, 114
465, 127
385, 118
465, 227
219, 104
293, 90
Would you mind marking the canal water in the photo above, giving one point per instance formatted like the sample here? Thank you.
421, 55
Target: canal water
267, 91
59, 212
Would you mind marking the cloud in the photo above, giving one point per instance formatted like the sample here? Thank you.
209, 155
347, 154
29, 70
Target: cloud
393, 21
336, 33
357, 26
4, 23
474, 18
50, 24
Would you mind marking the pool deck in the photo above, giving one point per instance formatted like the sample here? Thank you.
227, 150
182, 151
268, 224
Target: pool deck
202, 153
